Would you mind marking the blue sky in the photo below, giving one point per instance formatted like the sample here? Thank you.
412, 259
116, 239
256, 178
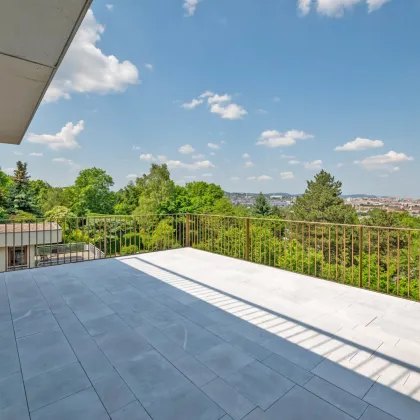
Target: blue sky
261, 94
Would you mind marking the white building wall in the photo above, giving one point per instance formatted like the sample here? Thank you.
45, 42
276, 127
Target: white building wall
30, 239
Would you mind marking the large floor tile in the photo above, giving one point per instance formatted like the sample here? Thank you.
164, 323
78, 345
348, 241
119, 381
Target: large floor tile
224, 359
132, 411
393, 402
12, 391
300, 404
260, 384
52, 386
344, 378
194, 370
190, 403
288, 369
45, 351
83, 405
113, 392
34, 321
192, 338
337, 397
230, 400
151, 377
373, 413
104, 324
122, 345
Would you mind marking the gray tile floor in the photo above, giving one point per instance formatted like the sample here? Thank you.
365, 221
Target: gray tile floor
185, 334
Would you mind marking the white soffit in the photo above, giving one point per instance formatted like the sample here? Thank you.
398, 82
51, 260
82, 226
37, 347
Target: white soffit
34, 37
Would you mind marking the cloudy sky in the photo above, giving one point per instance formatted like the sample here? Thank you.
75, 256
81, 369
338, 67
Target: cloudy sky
252, 95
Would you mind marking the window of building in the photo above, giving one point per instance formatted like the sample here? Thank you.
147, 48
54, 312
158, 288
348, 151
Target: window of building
18, 257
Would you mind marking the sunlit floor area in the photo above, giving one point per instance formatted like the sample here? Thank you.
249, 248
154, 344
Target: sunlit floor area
186, 334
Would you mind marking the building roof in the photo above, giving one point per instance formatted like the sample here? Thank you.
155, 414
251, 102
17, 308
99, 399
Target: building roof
34, 37
28, 227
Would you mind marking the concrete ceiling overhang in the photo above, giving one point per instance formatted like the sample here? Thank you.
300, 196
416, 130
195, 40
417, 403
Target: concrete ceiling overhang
34, 38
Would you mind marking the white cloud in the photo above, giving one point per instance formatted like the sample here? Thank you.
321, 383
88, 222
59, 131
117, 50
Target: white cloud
198, 157
136, 147
264, 178
249, 164
212, 154
193, 104
65, 161
294, 162
190, 7
186, 149
162, 158
9, 171
110, 7
287, 157
336, 8
386, 162
273, 138
207, 175
340, 165
276, 99
314, 165
148, 157
213, 146
207, 94
375, 4
17, 153
40, 154
149, 66
219, 104
229, 112
246, 156
286, 175
235, 178
86, 69
216, 99
203, 164
360, 144
261, 111
132, 176
304, 6
190, 177
251, 178
65, 139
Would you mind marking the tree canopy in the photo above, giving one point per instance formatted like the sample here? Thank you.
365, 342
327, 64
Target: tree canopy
322, 202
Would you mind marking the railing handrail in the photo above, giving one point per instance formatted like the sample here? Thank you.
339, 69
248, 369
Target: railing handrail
134, 216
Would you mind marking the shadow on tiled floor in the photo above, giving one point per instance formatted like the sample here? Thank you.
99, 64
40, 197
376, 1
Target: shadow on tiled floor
185, 334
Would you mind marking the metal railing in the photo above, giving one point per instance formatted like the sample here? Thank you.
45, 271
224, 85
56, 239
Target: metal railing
383, 259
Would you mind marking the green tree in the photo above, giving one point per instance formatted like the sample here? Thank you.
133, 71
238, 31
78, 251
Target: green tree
21, 196
127, 199
322, 202
5, 187
156, 188
261, 206
59, 213
92, 191
57, 196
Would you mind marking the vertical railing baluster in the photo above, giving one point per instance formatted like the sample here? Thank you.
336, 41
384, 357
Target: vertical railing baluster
360, 255
408, 263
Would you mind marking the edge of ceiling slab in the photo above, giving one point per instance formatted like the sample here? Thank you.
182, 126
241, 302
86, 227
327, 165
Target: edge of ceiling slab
57, 65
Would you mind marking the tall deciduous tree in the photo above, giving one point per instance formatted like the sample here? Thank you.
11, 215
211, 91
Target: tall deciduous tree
322, 202
92, 190
156, 188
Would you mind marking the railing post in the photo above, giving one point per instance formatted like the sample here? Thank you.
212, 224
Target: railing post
105, 242
360, 255
247, 240
187, 230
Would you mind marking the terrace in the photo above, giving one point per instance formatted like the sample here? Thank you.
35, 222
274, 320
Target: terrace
188, 334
